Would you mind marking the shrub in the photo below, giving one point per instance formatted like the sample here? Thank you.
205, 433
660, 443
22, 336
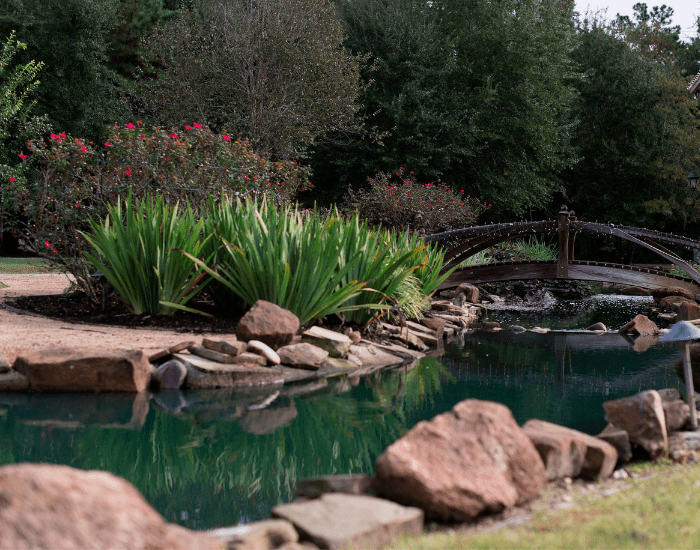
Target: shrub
398, 202
139, 248
74, 179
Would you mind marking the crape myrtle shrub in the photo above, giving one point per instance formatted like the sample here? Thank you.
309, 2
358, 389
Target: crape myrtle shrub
74, 180
396, 201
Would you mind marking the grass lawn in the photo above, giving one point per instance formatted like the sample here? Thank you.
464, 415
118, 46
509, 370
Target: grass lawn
659, 511
24, 265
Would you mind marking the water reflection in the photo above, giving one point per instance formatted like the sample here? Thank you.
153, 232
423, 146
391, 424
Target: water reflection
221, 457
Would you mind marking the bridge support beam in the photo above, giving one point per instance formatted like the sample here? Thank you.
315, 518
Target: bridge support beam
563, 256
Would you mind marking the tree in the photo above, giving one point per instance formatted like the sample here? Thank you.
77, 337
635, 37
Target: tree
79, 92
272, 70
473, 92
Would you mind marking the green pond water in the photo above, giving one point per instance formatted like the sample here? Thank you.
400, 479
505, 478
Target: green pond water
220, 457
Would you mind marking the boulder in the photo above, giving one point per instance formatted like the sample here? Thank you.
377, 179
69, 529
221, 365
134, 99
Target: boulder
462, 463
353, 484
598, 326
659, 293
688, 311
640, 325
672, 303
619, 439
302, 356
51, 506
260, 535
642, 417
338, 520
335, 343
92, 370
170, 375
676, 414
471, 293
269, 323
570, 453
635, 291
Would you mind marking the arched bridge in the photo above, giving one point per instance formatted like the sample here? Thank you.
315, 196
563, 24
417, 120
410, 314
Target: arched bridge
565, 266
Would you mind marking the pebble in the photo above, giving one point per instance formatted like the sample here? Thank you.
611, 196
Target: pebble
256, 346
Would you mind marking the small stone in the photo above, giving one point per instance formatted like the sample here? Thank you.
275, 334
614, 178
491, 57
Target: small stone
250, 358
539, 330
170, 375
302, 356
335, 343
177, 348
659, 293
676, 414
233, 347
620, 474
635, 291
598, 326
313, 487
256, 346
212, 355
355, 336
517, 328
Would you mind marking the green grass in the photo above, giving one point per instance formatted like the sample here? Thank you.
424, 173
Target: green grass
24, 265
659, 511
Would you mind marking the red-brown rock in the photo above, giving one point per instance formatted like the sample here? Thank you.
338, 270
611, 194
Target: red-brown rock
659, 293
642, 417
471, 293
570, 453
635, 291
472, 459
50, 506
640, 325
672, 303
269, 323
93, 370
688, 311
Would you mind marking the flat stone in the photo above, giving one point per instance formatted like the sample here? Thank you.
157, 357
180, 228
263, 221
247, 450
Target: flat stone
672, 303
353, 484
302, 356
170, 375
337, 520
676, 414
4, 365
52, 506
337, 363
471, 460
642, 417
202, 373
619, 439
420, 329
269, 323
250, 358
231, 347
335, 343
371, 356
433, 323
212, 355
93, 370
13, 381
395, 349
570, 453
256, 346
659, 293
260, 535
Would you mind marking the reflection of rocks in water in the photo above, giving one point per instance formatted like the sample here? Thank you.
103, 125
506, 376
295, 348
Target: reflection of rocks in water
265, 421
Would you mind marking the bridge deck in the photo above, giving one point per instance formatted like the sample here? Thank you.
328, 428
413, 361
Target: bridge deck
580, 270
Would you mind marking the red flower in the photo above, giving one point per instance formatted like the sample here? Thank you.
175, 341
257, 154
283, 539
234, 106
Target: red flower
77, 204
12, 179
411, 171
127, 173
130, 126
490, 205
47, 244
63, 136
174, 136
255, 178
196, 125
226, 138
54, 251
83, 149
55, 136
22, 156
188, 127
108, 144
245, 177
400, 167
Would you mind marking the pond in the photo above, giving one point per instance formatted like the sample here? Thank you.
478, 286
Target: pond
220, 457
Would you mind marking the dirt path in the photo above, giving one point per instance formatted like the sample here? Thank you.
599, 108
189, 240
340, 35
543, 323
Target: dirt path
25, 332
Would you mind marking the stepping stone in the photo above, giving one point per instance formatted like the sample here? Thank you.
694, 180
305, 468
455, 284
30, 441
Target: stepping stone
207, 353
335, 343
233, 347
339, 520
302, 356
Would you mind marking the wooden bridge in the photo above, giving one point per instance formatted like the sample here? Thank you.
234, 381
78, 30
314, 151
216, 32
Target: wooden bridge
476, 239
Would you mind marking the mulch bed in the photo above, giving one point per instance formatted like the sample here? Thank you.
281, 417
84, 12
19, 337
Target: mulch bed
77, 308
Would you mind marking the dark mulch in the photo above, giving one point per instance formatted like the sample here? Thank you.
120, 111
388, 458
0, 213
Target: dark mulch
77, 307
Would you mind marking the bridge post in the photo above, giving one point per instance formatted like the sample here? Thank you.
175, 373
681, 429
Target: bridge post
563, 256
572, 236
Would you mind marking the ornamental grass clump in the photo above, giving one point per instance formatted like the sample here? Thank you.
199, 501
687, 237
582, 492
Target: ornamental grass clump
138, 250
264, 252
397, 201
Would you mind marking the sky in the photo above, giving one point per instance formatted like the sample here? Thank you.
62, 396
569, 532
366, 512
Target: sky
684, 11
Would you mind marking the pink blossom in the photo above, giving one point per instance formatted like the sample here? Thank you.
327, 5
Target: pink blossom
83, 149
127, 173
196, 125
77, 204
174, 136
255, 178
226, 138
130, 126
245, 177
54, 251
12, 179
400, 167
55, 136
63, 136
47, 244
490, 204
108, 144
22, 156
188, 127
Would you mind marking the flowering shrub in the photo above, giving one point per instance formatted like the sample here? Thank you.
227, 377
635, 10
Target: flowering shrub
74, 178
398, 202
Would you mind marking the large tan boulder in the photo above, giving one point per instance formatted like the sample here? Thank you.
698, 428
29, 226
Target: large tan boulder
50, 506
269, 323
570, 453
659, 293
462, 463
672, 303
642, 417
92, 370
640, 325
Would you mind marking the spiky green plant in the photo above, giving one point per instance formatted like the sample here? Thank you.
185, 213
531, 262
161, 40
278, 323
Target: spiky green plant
136, 249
